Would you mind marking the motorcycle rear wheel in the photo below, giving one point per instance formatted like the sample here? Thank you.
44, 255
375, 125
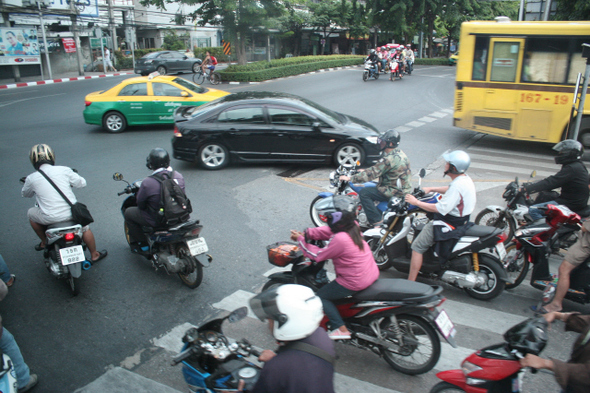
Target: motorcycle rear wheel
381, 257
445, 387
414, 329
491, 218
365, 76
74, 284
493, 286
317, 219
516, 265
194, 279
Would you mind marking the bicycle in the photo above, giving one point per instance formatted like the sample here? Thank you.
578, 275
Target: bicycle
213, 77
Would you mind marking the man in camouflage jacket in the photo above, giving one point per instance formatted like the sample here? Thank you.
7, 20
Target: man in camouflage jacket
393, 165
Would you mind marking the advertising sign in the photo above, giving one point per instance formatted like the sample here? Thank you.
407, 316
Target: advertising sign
84, 7
19, 46
69, 45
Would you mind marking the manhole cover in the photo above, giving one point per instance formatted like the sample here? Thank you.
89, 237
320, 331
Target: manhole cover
293, 172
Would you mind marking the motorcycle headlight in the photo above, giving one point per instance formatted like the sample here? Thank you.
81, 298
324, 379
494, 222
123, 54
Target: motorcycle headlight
372, 139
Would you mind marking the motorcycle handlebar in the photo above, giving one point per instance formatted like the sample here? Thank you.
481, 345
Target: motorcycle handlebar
183, 355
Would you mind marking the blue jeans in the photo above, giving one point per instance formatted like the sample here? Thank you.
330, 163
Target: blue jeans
4, 272
333, 291
9, 346
537, 214
368, 196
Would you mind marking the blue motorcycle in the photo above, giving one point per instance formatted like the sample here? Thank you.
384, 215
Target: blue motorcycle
370, 71
210, 363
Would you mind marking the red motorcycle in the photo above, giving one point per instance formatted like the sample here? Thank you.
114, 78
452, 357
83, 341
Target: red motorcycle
496, 368
394, 318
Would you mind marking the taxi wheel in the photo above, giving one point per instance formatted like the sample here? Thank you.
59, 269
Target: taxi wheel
161, 70
114, 122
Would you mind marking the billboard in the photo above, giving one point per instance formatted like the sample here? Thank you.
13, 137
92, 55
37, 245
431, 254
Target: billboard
84, 7
19, 46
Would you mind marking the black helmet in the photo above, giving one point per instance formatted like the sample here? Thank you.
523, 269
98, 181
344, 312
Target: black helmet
568, 150
158, 158
41, 154
344, 217
388, 139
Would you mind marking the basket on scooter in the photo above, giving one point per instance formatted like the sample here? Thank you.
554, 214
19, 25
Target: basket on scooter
283, 253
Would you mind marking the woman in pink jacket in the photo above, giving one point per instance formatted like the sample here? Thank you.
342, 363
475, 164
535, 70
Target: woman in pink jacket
352, 257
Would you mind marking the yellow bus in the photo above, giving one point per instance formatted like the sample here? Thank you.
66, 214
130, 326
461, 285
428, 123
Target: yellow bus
517, 79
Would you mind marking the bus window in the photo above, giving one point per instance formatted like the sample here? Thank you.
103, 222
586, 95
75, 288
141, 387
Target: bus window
504, 61
577, 62
480, 58
546, 60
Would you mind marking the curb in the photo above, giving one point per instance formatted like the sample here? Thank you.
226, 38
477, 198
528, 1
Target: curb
293, 76
58, 80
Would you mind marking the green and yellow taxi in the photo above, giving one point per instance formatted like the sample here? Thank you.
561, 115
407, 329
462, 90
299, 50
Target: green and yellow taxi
144, 100
453, 58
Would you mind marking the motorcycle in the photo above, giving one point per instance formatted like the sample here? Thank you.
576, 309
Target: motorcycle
534, 243
210, 363
179, 249
322, 204
496, 368
409, 67
370, 71
395, 318
63, 254
395, 70
480, 274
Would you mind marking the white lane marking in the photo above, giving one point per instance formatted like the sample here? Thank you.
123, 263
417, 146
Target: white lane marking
451, 358
490, 150
515, 161
448, 110
32, 98
172, 341
440, 115
480, 317
414, 124
510, 169
403, 129
237, 299
427, 119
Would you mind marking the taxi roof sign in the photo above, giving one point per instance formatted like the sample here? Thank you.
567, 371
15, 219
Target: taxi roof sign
153, 75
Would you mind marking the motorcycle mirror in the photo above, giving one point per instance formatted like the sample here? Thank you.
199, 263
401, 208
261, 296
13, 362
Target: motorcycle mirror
117, 176
422, 172
238, 314
534, 173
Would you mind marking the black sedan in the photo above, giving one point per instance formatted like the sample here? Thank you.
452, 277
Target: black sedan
270, 127
166, 62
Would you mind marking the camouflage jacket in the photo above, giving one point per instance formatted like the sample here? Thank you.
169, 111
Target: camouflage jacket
388, 169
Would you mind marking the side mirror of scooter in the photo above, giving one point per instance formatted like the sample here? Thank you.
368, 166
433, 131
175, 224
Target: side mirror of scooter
117, 176
420, 176
534, 173
238, 314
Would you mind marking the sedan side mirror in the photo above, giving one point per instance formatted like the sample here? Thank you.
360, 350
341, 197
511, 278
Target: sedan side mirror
184, 94
316, 126
184, 57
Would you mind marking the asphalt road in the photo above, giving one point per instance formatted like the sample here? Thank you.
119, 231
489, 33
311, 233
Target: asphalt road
123, 303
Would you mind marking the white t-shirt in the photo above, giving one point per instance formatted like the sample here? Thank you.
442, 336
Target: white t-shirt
49, 200
459, 200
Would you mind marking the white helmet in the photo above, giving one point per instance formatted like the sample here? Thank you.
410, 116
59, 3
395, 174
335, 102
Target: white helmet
459, 160
296, 310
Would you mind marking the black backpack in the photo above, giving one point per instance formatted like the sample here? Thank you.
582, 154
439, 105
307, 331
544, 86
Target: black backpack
175, 207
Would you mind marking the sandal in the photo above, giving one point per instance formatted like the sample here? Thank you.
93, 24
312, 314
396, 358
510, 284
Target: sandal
102, 253
39, 247
10, 282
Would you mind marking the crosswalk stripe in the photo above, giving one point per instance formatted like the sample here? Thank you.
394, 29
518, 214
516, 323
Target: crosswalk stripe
440, 115
516, 161
414, 124
491, 151
402, 129
509, 169
427, 119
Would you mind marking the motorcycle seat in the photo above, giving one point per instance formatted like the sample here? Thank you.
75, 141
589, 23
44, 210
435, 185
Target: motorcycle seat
396, 289
61, 224
482, 231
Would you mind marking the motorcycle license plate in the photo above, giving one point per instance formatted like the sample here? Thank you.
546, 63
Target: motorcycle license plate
71, 255
445, 325
501, 250
197, 246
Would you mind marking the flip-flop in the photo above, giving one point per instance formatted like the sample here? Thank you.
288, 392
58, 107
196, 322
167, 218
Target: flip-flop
102, 253
11, 281
39, 247
539, 310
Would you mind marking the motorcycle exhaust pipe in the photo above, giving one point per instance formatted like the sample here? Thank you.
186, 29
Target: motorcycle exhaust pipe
462, 280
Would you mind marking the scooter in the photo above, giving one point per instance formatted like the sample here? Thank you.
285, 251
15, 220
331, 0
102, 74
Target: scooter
394, 318
179, 249
210, 363
496, 368
63, 254
395, 68
371, 71
8, 383
323, 203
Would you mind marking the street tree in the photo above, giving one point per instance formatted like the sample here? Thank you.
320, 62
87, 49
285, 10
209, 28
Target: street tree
237, 17
292, 23
573, 10
327, 17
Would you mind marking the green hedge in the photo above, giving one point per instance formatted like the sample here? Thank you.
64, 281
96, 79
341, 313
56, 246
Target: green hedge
435, 61
264, 70
216, 51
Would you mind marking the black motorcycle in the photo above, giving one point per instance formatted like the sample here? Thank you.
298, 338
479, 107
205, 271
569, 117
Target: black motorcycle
179, 249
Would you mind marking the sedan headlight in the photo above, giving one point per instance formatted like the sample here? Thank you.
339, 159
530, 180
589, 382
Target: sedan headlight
372, 139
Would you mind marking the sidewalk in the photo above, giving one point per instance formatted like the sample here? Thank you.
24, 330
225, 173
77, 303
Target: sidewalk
57, 78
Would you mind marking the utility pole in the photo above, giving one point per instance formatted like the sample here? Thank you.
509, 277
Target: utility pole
44, 40
113, 28
585, 54
74, 19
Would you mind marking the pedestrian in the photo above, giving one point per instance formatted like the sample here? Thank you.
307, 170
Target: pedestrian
5, 275
24, 379
108, 60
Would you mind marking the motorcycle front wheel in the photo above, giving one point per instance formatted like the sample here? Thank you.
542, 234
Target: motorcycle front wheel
491, 272
445, 387
516, 265
193, 279
492, 218
381, 258
420, 349
319, 220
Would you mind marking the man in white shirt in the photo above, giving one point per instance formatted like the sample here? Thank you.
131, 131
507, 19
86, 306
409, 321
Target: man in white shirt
454, 208
51, 206
108, 60
409, 57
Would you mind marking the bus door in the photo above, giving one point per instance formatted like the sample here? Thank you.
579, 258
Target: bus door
501, 92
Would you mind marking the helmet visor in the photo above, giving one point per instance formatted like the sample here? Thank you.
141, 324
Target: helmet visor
264, 306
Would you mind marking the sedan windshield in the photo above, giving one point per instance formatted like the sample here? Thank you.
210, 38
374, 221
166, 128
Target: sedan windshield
189, 85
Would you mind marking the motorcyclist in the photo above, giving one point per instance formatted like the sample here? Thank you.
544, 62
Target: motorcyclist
352, 257
51, 207
373, 58
392, 165
383, 55
572, 178
453, 208
399, 57
409, 54
148, 199
304, 361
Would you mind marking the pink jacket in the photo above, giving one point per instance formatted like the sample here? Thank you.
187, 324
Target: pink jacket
355, 269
